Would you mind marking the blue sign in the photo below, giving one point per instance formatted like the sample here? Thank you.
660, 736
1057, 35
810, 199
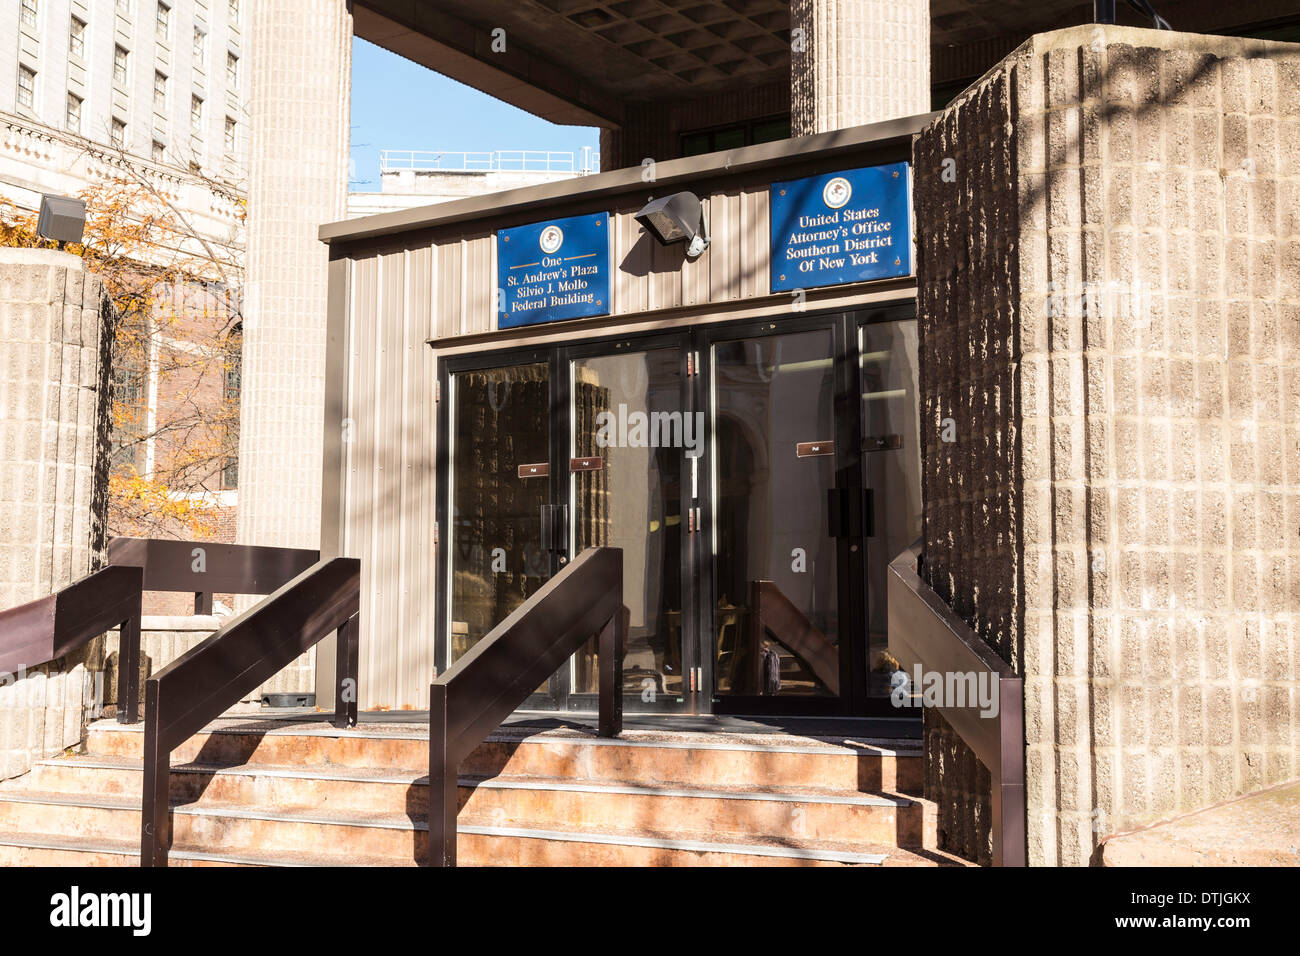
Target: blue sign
842, 227
553, 270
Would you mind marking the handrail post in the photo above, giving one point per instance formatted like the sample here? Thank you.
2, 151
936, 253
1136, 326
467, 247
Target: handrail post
443, 791
345, 674
155, 828
1008, 783
128, 665
609, 649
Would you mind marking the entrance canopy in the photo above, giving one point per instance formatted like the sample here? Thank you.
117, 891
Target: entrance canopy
605, 62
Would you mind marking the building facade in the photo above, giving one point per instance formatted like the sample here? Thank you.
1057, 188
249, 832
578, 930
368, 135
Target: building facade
960, 393
147, 99
161, 85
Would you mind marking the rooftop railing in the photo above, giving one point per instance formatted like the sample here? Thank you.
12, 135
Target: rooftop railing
508, 160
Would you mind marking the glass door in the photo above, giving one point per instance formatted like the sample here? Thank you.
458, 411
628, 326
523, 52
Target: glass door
633, 443
759, 477
499, 516
780, 611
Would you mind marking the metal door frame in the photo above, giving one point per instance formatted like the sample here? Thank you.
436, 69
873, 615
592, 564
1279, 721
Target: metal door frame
698, 585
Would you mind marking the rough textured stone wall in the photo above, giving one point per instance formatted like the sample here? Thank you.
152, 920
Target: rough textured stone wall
53, 435
1110, 317
857, 61
297, 180
967, 232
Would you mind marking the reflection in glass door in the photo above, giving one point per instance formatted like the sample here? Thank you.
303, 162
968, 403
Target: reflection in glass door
631, 437
891, 468
499, 453
775, 600
754, 575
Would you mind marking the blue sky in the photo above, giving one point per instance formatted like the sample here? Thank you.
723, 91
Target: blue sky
397, 104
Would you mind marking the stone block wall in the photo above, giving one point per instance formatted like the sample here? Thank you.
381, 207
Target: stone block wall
1108, 229
857, 61
298, 107
163, 638
54, 419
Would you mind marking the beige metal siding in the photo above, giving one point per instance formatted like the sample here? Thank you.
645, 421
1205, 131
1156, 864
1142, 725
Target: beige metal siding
442, 288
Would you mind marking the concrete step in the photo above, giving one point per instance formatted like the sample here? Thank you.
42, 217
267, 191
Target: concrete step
44, 849
486, 845
342, 834
818, 814
249, 791
754, 813
731, 760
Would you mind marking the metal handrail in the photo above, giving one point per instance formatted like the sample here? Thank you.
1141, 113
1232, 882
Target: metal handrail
499, 673
772, 612
208, 567
924, 631
202, 684
51, 627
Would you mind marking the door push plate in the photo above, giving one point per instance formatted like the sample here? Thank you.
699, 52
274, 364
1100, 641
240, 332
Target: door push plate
814, 449
539, 470
594, 463
882, 442
850, 513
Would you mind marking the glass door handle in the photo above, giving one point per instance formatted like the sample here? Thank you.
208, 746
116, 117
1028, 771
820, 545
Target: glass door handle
850, 513
555, 528
888, 442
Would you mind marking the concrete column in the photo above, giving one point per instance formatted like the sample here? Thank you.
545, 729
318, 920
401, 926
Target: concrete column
300, 60
857, 61
1109, 307
53, 439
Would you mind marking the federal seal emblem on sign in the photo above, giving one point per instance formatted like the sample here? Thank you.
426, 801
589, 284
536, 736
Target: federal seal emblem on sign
837, 192
551, 239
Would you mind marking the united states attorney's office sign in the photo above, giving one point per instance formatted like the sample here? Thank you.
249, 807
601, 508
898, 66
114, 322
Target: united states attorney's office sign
849, 226
553, 270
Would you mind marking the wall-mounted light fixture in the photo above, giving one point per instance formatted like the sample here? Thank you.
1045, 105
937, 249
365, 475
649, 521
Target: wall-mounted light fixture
62, 219
677, 217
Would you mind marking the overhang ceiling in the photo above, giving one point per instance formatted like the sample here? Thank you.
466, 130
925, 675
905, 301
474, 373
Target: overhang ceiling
585, 61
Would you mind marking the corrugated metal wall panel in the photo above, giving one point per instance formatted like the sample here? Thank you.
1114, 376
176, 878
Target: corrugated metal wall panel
386, 497
361, 469
632, 258
724, 256
416, 634
755, 245
447, 291
480, 284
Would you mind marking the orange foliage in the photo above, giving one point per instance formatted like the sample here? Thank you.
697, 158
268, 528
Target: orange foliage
176, 298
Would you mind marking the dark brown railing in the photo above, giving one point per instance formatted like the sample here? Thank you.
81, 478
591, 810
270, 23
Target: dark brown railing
208, 567
202, 684
774, 613
924, 630
46, 629
499, 672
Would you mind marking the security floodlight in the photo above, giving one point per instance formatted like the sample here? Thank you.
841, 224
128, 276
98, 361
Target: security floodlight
62, 219
677, 217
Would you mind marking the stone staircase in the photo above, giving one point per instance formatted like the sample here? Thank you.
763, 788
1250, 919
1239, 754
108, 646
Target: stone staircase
255, 791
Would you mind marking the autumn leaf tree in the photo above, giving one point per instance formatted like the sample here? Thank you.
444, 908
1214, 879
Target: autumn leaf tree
176, 345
